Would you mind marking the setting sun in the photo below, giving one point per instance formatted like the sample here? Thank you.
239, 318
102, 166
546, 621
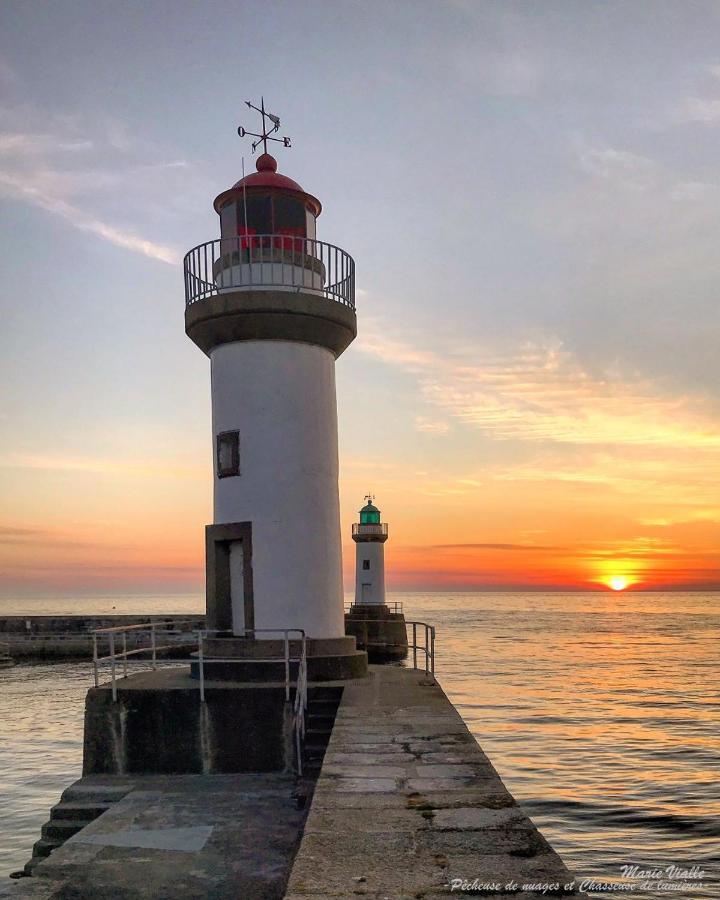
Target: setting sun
618, 583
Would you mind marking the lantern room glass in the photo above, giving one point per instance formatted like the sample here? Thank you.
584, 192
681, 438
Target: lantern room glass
369, 515
276, 214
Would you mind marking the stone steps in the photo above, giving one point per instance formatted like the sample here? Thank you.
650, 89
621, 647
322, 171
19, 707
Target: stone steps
80, 804
323, 705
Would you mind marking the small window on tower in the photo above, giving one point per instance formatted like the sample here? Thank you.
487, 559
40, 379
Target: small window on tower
228, 453
366, 564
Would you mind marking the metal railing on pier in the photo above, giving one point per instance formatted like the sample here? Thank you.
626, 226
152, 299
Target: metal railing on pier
125, 656
394, 607
425, 650
261, 261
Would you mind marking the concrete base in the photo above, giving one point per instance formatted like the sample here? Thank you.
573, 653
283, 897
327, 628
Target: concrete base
159, 725
246, 660
381, 633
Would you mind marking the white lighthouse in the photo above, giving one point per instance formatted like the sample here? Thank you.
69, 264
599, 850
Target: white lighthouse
273, 308
369, 535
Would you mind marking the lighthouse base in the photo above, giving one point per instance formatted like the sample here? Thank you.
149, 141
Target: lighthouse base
381, 633
231, 658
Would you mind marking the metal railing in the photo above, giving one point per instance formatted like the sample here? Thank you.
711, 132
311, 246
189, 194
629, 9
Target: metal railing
361, 529
124, 657
269, 260
394, 607
426, 648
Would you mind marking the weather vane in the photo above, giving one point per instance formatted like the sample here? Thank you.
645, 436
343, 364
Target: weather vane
369, 497
266, 134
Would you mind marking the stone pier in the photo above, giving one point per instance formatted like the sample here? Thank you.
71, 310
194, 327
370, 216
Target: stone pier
406, 806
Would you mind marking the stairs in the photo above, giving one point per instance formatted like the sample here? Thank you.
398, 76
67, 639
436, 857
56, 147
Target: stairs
79, 805
323, 704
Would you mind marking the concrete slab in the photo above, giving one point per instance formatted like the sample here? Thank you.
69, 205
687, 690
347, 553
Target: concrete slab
183, 837
183, 840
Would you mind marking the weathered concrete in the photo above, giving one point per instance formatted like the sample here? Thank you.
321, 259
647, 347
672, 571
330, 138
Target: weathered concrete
276, 315
159, 725
407, 801
381, 633
187, 837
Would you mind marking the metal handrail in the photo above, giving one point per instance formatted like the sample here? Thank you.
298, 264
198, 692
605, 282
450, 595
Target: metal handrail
300, 699
269, 260
395, 607
369, 528
427, 648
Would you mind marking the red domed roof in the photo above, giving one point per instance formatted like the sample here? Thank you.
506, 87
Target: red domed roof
266, 177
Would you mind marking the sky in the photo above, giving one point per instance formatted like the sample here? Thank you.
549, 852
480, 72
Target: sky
531, 194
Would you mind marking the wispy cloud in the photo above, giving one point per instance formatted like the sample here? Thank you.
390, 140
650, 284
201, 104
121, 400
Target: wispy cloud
538, 392
703, 110
13, 187
431, 426
512, 547
76, 171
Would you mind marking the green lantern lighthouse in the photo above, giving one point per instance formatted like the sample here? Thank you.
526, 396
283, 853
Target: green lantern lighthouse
369, 514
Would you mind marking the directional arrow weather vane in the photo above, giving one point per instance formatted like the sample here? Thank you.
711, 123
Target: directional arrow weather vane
267, 132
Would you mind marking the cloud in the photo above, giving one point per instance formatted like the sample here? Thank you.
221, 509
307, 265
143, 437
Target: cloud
541, 392
77, 172
609, 163
524, 547
11, 187
699, 109
431, 426
108, 466
47, 539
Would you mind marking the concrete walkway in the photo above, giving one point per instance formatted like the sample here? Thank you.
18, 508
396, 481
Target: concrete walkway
407, 803
177, 837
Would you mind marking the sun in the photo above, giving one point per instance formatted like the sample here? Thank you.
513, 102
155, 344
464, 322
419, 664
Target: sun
618, 582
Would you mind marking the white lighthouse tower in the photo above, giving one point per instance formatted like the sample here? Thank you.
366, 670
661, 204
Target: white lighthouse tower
369, 535
273, 308
377, 630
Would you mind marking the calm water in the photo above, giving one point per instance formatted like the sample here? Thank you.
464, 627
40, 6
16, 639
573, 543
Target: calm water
600, 711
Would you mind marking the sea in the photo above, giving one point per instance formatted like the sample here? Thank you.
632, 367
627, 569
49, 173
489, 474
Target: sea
600, 711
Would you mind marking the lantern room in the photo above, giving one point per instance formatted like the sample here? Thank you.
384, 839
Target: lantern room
266, 208
369, 515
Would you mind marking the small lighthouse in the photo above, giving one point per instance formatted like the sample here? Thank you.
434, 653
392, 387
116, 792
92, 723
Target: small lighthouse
369, 535
377, 629
273, 308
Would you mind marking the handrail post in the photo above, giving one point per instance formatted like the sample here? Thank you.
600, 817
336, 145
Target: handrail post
432, 656
201, 667
154, 645
287, 666
124, 639
112, 666
95, 659
414, 625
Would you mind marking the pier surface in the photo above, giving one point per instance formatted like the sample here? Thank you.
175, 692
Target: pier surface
175, 837
406, 806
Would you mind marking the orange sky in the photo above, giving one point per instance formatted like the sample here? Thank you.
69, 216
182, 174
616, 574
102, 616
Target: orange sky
533, 393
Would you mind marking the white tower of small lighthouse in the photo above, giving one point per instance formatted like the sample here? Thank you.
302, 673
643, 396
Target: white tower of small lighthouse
369, 536
273, 308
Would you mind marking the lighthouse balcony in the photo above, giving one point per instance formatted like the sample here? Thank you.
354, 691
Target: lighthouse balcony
370, 532
277, 262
